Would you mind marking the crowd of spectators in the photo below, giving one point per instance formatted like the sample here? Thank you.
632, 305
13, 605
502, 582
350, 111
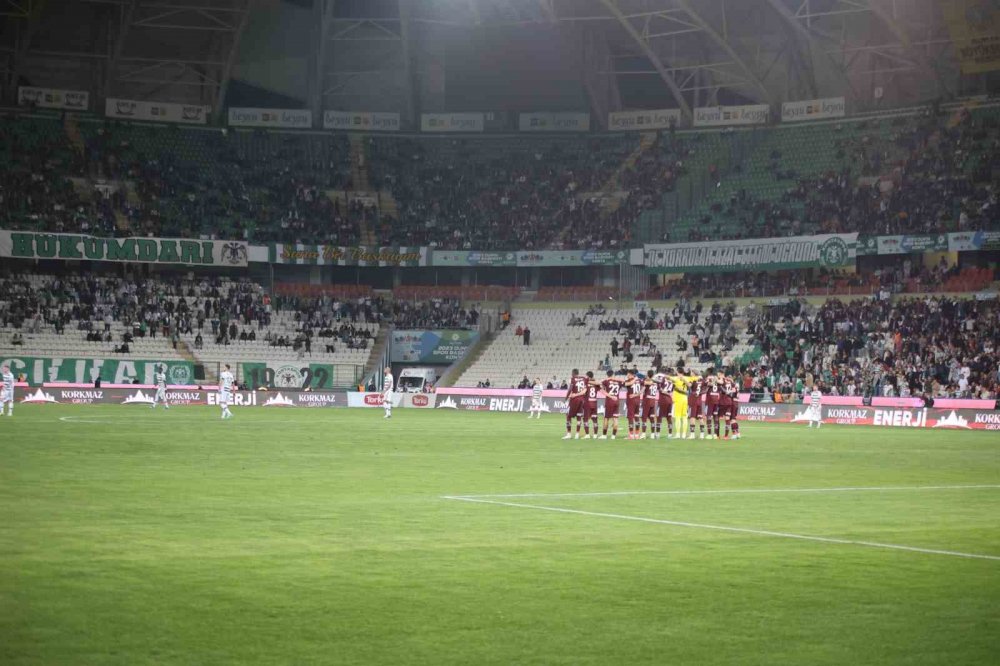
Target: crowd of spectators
436, 313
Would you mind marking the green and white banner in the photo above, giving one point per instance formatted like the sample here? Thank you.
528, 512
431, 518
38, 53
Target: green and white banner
915, 244
85, 370
35, 245
757, 254
472, 258
288, 375
436, 347
571, 258
335, 255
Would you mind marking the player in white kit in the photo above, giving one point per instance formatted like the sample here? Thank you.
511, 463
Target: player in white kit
536, 399
387, 392
160, 379
226, 381
7, 390
815, 411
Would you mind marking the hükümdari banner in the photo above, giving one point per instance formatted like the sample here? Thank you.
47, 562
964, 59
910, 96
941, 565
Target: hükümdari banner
452, 122
77, 247
53, 98
40, 370
335, 255
756, 254
813, 109
436, 347
278, 118
644, 120
553, 122
719, 116
163, 112
361, 121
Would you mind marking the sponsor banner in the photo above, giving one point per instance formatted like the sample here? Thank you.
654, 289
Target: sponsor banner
418, 400
281, 118
365, 121
433, 347
570, 257
758, 254
867, 246
718, 116
553, 122
813, 109
369, 399
472, 258
891, 417
970, 241
41, 370
973, 28
76, 247
52, 98
289, 375
452, 122
644, 120
180, 395
164, 112
335, 255
912, 244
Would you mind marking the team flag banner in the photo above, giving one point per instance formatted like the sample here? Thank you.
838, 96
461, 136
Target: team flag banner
361, 121
554, 122
890, 417
40, 370
277, 375
571, 258
915, 244
720, 116
163, 112
970, 241
75, 247
436, 347
452, 122
53, 98
472, 258
757, 254
973, 28
644, 120
280, 118
335, 255
813, 109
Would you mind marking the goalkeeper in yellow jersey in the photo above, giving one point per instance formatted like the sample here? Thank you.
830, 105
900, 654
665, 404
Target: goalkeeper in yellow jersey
682, 382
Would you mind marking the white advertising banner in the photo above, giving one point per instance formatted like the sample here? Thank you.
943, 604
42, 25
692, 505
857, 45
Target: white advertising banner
452, 122
163, 112
279, 118
719, 116
52, 98
554, 122
361, 120
644, 120
813, 109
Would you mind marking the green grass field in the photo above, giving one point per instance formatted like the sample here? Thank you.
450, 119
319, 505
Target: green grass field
325, 537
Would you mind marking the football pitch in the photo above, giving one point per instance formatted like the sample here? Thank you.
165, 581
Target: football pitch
332, 536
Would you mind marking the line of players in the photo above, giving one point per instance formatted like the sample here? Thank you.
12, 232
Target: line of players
683, 399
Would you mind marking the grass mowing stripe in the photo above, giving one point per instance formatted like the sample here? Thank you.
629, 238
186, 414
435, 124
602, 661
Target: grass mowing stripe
727, 528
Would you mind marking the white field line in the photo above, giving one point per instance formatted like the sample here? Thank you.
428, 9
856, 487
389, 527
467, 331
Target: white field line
740, 530
844, 489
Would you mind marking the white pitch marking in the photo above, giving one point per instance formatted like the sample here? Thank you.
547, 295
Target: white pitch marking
844, 489
741, 530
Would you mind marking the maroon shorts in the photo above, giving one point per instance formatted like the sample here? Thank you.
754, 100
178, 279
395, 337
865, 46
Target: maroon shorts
610, 408
666, 406
589, 410
632, 408
727, 409
575, 407
694, 408
712, 408
649, 407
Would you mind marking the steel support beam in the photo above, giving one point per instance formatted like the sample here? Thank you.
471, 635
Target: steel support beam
35, 9
650, 55
227, 69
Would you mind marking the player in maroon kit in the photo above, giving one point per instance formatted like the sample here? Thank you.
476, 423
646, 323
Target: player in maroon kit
666, 406
577, 396
694, 406
590, 406
612, 390
650, 402
713, 394
728, 406
633, 403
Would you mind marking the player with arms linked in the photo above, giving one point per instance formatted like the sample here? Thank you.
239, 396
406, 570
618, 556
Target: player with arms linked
576, 394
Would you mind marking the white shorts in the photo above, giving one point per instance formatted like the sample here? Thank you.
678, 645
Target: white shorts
387, 398
815, 413
6, 396
161, 395
536, 403
225, 397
